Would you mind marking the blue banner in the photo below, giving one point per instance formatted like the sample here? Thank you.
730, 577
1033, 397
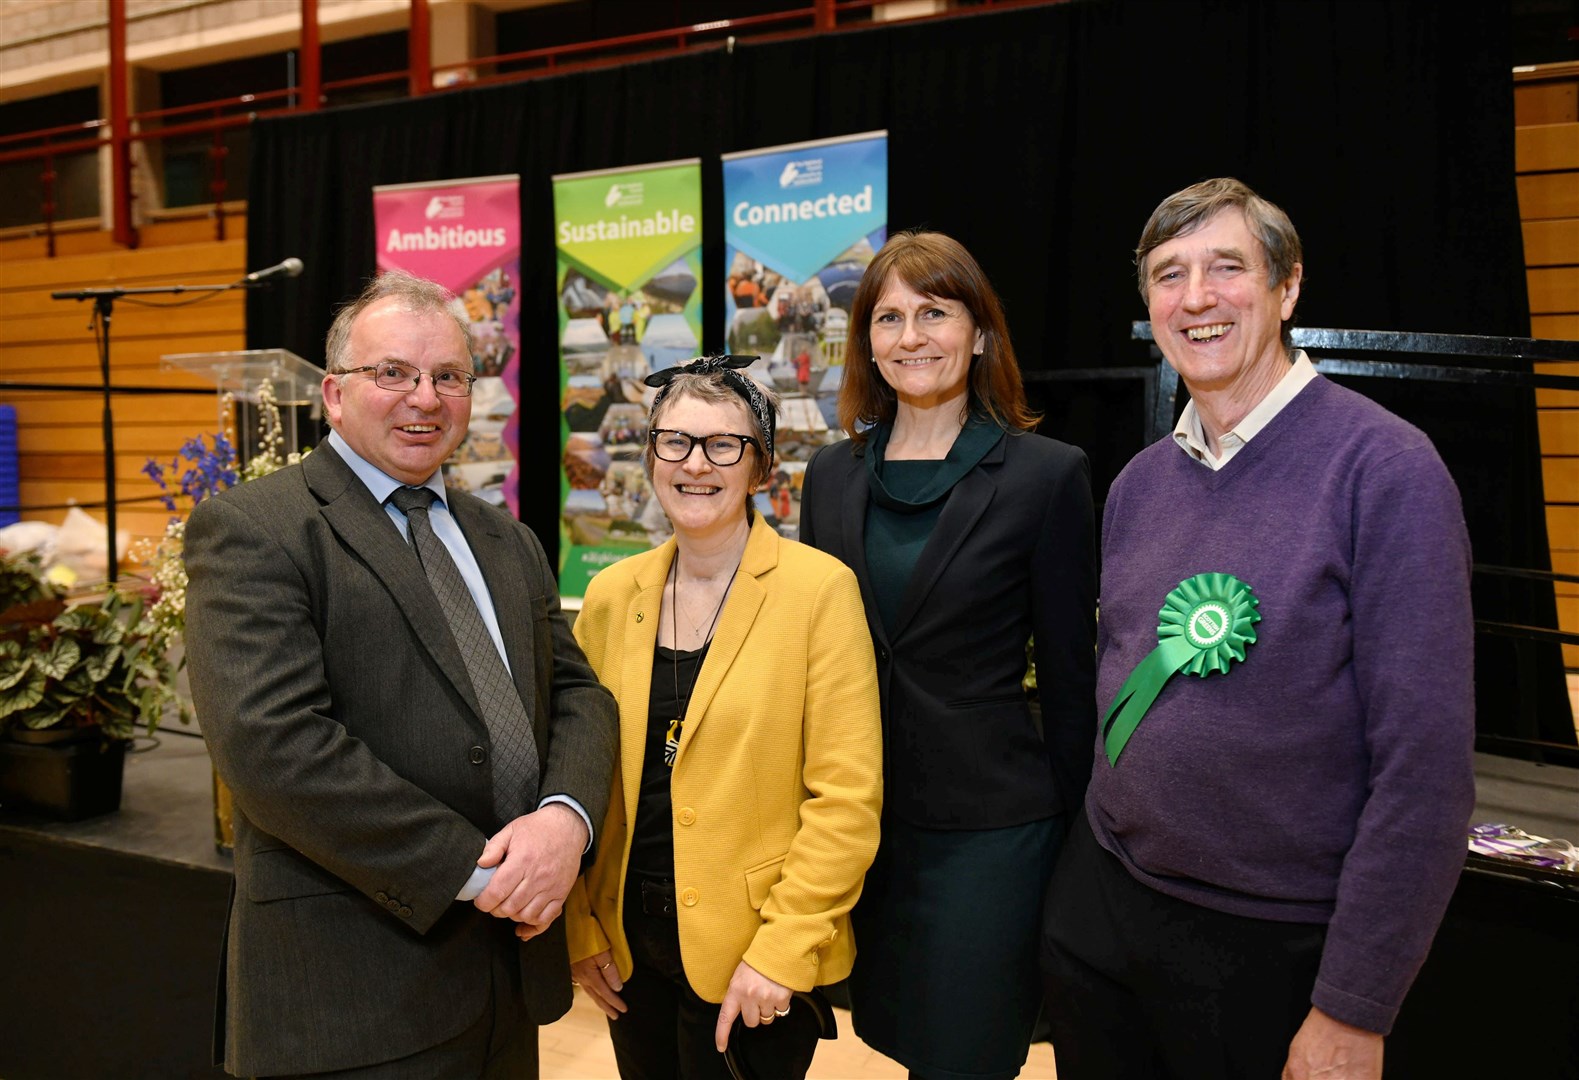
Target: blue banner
801, 224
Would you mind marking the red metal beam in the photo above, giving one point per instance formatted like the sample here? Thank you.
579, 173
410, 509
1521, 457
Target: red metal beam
419, 51
312, 59
120, 126
825, 19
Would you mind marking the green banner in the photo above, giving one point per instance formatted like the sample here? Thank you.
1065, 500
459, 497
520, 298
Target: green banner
630, 303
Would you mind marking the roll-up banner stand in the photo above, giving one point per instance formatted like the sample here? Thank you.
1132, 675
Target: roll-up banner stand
466, 235
630, 303
801, 224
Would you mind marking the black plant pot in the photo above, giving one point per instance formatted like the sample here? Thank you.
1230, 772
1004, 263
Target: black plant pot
67, 780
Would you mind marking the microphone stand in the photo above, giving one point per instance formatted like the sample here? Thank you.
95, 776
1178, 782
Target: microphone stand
103, 312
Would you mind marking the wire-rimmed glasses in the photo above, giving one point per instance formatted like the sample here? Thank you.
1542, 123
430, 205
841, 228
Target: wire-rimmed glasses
403, 378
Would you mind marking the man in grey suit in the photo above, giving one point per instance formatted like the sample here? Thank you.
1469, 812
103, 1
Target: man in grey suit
416, 746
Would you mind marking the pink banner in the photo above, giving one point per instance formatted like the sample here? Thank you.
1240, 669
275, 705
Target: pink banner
466, 235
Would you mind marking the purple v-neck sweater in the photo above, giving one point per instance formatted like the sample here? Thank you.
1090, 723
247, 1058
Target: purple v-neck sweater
1328, 777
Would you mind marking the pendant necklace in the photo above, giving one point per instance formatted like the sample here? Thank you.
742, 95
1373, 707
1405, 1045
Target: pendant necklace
671, 743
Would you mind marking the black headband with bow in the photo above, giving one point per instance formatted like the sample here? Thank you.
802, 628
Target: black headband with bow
728, 366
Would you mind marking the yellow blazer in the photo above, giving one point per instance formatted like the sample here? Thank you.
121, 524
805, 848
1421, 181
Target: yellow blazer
777, 783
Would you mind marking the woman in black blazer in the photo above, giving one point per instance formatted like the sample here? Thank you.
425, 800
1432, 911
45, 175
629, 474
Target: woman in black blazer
970, 536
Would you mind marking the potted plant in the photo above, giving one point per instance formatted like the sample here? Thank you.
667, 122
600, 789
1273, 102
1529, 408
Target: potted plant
78, 676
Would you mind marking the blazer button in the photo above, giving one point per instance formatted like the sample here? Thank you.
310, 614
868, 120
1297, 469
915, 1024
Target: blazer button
478, 755
687, 815
392, 904
381, 897
689, 897
405, 912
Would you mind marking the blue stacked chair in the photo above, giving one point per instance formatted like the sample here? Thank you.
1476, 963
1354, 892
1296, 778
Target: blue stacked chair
10, 489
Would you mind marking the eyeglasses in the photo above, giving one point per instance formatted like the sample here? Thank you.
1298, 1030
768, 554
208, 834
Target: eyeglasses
403, 378
721, 449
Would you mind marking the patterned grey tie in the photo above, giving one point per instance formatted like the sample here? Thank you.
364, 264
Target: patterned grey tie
515, 766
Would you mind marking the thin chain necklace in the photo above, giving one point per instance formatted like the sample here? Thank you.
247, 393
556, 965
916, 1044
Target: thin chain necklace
671, 742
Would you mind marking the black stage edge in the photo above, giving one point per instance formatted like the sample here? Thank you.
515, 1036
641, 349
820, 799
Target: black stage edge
112, 929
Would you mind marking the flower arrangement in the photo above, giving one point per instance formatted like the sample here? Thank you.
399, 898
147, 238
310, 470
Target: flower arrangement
204, 466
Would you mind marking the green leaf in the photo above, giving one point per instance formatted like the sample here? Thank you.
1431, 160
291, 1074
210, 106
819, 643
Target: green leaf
12, 670
100, 665
62, 655
24, 695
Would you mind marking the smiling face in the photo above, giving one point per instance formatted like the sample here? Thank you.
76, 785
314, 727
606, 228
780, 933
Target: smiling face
704, 500
1214, 314
406, 435
923, 345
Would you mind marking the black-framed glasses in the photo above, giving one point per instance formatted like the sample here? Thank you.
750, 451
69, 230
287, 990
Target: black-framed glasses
721, 449
403, 378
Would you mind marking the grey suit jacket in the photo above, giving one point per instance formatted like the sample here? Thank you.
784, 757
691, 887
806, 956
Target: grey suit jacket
336, 706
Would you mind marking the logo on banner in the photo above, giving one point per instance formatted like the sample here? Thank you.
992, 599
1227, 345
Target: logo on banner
445, 206
624, 229
798, 208
801, 173
630, 193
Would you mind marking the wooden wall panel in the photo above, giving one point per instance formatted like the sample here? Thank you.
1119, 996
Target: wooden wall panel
1546, 147
59, 434
1546, 102
1546, 158
1549, 195
1551, 243
1554, 290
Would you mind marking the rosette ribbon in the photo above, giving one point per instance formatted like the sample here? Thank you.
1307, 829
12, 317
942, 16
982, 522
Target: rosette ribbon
1204, 626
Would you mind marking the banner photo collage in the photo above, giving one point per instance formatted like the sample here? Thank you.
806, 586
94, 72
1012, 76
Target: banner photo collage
803, 221
630, 303
466, 235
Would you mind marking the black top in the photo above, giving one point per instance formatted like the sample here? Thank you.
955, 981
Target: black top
652, 840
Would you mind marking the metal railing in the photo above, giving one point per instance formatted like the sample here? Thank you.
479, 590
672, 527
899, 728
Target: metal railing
221, 116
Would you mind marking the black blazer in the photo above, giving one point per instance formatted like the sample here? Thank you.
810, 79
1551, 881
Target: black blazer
1013, 554
335, 706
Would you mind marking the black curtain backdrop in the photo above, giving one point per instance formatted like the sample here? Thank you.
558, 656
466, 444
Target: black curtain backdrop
1041, 138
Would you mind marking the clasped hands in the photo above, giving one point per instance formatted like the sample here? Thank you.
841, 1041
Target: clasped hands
752, 996
537, 857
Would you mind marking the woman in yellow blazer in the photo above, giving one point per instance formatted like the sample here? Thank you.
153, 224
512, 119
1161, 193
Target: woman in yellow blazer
745, 811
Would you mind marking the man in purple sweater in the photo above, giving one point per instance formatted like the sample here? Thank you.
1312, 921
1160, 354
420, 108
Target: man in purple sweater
1277, 814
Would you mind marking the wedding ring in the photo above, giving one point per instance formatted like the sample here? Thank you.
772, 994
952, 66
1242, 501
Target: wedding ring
777, 1012
605, 967
766, 1018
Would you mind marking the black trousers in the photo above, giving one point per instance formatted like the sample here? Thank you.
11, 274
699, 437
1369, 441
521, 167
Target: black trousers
667, 1031
1142, 986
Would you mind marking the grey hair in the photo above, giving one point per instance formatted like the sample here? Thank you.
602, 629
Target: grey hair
415, 294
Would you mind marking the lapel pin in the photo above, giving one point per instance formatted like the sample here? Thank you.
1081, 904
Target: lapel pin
640, 616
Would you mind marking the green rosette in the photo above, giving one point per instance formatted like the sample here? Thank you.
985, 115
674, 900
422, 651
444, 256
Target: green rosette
1204, 626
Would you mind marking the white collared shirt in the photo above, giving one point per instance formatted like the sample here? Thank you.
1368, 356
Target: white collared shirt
1191, 438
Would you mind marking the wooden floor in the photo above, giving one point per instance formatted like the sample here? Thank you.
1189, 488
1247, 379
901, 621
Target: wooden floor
577, 1048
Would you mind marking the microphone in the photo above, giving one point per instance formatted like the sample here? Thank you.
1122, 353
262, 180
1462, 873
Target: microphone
289, 268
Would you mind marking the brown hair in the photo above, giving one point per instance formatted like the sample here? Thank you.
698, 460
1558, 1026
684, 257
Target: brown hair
938, 266
1185, 211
